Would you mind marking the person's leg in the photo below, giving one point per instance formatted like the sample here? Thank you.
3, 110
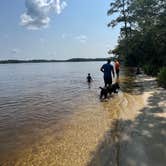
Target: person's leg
105, 81
110, 81
117, 73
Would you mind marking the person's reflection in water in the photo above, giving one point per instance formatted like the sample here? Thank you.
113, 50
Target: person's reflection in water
89, 80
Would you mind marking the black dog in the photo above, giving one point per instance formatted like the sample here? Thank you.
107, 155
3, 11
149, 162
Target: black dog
109, 90
115, 87
103, 93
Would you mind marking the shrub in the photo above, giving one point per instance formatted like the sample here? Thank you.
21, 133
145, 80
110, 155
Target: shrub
162, 77
150, 70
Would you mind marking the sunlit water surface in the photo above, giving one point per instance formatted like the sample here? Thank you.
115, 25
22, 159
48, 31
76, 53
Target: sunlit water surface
50, 116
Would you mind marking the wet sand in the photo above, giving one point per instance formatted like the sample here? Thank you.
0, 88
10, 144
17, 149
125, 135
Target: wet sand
75, 144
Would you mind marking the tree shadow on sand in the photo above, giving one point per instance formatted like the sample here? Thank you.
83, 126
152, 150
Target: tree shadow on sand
134, 84
138, 142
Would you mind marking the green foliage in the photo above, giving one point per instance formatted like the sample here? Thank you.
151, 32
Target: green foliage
145, 25
162, 77
120, 8
150, 69
144, 12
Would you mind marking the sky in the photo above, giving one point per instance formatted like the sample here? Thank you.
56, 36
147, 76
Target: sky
55, 29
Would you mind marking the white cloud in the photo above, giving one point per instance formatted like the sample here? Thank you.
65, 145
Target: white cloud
60, 6
37, 12
15, 51
66, 35
82, 38
79, 38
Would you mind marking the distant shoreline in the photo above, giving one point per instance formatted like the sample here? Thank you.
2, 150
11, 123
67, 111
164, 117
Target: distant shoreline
11, 61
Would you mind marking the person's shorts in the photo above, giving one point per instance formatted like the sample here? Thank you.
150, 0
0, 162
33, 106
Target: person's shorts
108, 81
117, 72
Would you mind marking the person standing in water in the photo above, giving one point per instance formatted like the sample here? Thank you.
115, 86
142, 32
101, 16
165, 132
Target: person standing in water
108, 71
89, 78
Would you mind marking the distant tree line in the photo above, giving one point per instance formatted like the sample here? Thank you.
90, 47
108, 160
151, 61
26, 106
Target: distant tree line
142, 40
48, 61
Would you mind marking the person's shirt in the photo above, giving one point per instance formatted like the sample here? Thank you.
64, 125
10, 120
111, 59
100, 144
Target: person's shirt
117, 65
107, 69
89, 78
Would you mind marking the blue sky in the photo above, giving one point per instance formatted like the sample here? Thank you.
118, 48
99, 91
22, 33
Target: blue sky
54, 29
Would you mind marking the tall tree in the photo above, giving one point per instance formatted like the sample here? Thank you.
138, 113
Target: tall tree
145, 13
120, 14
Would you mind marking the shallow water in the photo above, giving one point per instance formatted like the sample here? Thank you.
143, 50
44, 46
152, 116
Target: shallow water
50, 116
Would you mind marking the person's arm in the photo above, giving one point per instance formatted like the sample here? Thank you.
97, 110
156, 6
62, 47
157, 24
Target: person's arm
102, 69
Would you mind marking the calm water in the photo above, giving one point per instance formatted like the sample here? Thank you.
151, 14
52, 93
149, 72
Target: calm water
49, 115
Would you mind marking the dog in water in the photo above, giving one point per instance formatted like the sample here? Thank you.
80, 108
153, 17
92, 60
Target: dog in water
109, 90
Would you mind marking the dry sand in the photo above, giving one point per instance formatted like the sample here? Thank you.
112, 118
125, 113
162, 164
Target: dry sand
142, 135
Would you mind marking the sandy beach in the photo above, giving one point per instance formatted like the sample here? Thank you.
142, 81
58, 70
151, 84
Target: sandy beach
142, 137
